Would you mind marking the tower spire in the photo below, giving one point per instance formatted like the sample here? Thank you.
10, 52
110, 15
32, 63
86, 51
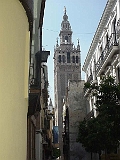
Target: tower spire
66, 32
78, 41
65, 17
64, 10
78, 46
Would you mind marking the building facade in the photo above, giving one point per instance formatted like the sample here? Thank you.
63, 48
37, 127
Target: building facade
103, 58
75, 110
38, 87
34, 138
66, 66
16, 27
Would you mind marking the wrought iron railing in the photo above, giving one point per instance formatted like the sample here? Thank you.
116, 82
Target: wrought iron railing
33, 81
107, 50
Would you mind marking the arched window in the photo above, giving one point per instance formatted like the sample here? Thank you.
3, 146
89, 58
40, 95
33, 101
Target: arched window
114, 25
66, 38
101, 52
59, 58
68, 57
63, 58
107, 38
76, 59
73, 59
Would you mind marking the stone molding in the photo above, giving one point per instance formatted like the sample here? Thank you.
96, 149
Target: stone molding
28, 6
105, 16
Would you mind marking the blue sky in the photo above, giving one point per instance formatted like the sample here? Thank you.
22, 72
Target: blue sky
84, 17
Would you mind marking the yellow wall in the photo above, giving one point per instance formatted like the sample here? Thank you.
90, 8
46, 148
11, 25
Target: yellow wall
14, 55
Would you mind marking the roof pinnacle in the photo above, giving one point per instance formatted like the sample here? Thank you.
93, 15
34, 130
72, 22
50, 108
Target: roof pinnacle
57, 42
78, 46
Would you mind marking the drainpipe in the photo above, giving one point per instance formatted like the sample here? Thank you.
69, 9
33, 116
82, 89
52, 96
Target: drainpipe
40, 55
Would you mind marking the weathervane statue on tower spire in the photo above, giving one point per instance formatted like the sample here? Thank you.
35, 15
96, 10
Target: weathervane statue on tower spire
64, 10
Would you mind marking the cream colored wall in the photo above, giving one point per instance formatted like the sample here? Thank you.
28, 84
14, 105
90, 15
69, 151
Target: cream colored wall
14, 55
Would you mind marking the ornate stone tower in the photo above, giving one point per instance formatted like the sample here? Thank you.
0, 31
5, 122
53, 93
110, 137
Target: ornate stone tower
67, 65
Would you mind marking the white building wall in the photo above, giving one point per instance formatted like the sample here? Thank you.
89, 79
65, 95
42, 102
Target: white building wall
97, 50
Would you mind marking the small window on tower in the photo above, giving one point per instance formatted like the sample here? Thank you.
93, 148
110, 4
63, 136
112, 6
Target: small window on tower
68, 57
73, 59
59, 58
66, 38
63, 58
76, 59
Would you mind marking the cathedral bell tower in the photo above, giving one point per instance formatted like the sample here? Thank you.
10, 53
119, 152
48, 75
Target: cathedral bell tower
67, 66
65, 33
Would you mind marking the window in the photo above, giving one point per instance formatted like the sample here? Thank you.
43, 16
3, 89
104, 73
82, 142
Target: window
63, 58
62, 84
73, 59
76, 59
66, 38
101, 53
114, 25
68, 57
107, 38
59, 58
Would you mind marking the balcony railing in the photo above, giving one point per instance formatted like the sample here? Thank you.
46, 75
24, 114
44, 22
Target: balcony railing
34, 83
107, 51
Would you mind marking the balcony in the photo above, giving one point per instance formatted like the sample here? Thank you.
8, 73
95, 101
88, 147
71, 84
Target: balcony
107, 54
35, 84
34, 97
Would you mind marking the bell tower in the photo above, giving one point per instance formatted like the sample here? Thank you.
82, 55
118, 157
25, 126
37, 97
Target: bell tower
65, 33
67, 66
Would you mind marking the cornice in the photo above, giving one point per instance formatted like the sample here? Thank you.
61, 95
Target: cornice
28, 6
103, 21
42, 13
